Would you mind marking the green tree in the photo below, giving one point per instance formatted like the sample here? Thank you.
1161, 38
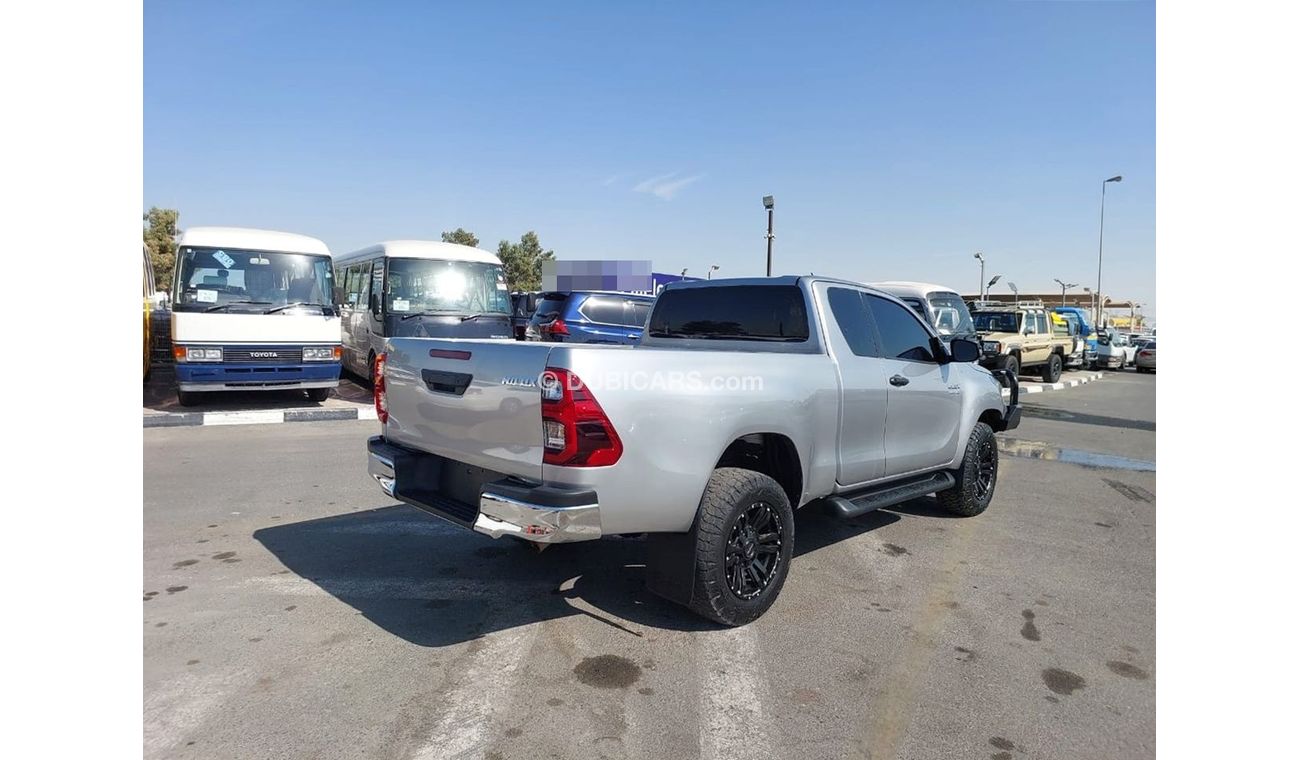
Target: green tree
523, 261
462, 236
160, 238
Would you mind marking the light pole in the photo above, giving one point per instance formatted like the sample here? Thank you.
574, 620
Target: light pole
709, 274
769, 203
1064, 287
1132, 313
1014, 290
980, 256
990, 285
683, 274
1101, 235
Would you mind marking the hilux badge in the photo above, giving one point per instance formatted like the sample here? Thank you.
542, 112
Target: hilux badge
519, 382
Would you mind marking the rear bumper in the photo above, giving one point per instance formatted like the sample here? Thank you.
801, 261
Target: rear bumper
502, 507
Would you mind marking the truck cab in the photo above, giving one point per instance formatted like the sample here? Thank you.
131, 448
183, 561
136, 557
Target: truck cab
1086, 331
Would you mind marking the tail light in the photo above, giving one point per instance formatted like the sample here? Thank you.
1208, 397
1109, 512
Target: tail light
1144, 352
556, 328
575, 430
381, 389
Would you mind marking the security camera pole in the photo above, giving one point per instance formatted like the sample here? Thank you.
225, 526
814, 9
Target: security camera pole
769, 203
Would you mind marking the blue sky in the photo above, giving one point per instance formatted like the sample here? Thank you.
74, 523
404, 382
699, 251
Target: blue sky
898, 138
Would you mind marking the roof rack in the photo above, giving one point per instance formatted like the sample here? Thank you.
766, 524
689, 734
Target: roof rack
1024, 303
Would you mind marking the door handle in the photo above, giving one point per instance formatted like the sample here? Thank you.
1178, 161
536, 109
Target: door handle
898, 381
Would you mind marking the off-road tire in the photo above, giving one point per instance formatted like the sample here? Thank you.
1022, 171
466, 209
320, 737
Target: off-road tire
1012, 366
1051, 371
967, 498
730, 493
318, 394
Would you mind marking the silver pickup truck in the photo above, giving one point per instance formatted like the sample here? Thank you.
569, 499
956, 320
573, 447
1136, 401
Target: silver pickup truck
745, 400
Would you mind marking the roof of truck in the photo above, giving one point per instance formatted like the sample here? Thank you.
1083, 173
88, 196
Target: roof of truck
423, 249
247, 238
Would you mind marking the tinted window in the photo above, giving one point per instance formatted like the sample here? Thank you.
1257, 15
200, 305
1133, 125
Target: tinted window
996, 321
1041, 319
612, 310
548, 308
732, 312
901, 335
854, 322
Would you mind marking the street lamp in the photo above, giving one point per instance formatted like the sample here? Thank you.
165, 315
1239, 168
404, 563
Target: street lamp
769, 203
1014, 290
991, 283
1064, 287
683, 274
709, 274
1101, 235
1092, 306
980, 256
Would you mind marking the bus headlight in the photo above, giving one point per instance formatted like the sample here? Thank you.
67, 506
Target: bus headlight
321, 353
195, 354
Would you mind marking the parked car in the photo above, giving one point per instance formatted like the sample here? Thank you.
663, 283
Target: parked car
1145, 361
1114, 350
522, 307
1019, 336
745, 400
589, 317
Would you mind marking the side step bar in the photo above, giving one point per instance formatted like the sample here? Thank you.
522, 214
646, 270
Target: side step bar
848, 506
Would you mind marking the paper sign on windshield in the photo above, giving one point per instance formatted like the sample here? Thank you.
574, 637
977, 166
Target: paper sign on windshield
224, 258
206, 296
401, 305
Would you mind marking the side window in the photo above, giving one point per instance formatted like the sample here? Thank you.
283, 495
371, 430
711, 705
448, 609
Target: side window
853, 320
1041, 319
376, 289
902, 335
1031, 324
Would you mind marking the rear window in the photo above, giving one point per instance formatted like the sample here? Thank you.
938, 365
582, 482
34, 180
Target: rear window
548, 308
732, 312
616, 310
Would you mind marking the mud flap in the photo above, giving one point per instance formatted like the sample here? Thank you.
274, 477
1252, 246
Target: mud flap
670, 565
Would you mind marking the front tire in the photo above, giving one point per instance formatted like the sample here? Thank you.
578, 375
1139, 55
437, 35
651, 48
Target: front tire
187, 398
1052, 369
318, 394
1012, 366
744, 541
976, 478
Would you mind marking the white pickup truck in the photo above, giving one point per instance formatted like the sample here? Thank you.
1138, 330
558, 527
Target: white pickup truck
745, 400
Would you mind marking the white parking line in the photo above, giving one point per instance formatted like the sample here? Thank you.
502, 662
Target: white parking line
731, 706
481, 693
265, 417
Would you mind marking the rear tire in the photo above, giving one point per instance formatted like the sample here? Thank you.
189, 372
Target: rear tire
976, 478
1052, 369
318, 394
744, 541
187, 398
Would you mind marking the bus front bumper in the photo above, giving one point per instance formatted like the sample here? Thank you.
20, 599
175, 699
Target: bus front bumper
253, 377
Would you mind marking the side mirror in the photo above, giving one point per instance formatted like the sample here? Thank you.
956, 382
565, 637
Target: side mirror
962, 350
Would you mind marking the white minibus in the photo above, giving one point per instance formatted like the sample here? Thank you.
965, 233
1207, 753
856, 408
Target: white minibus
421, 288
253, 310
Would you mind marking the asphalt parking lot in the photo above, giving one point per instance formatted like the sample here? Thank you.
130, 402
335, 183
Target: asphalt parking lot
290, 609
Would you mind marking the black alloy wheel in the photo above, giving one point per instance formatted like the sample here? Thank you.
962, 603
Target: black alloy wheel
753, 553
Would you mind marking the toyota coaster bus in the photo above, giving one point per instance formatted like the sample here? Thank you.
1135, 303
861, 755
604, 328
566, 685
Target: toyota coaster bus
418, 288
252, 311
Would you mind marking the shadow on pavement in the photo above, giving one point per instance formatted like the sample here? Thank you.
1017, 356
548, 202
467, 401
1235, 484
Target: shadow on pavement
434, 584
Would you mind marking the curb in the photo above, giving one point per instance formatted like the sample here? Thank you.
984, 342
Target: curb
1057, 386
256, 417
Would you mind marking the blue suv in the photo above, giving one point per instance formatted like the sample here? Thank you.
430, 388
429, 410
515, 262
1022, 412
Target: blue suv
589, 317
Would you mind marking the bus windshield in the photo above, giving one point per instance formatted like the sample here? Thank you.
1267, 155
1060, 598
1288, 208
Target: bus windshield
242, 281
996, 321
416, 286
951, 317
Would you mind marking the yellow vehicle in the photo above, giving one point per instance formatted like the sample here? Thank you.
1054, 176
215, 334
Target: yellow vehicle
148, 309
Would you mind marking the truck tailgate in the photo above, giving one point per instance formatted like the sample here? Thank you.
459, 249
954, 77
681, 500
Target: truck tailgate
475, 402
